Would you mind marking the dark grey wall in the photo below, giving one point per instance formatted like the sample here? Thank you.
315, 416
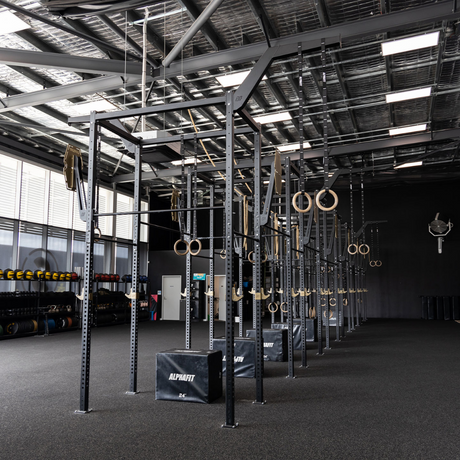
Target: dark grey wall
411, 264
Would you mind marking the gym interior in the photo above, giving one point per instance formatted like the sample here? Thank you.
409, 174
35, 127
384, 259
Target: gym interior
228, 229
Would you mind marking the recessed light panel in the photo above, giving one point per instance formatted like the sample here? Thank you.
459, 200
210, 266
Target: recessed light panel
291, 147
10, 23
407, 129
273, 118
406, 95
410, 44
409, 165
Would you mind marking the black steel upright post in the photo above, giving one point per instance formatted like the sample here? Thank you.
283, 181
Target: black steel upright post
340, 297
88, 273
319, 308
257, 275
240, 267
229, 325
188, 263
335, 272
288, 288
211, 266
134, 296
326, 281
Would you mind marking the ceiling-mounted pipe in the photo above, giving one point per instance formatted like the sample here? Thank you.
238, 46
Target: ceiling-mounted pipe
194, 28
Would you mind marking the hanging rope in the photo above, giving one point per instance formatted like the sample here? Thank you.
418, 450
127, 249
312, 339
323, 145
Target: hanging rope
378, 262
363, 248
195, 200
245, 221
182, 206
352, 248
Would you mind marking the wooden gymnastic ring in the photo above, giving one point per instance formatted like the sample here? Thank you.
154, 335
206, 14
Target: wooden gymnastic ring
378, 263
272, 309
372, 263
322, 192
281, 307
223, 254
186, 250
294, 200
345, 302
332, 299
364, 252
198, 250
330, 314
98, 230
349, 251
252, 260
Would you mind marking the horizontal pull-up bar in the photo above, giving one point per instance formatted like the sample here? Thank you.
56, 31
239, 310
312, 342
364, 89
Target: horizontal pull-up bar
156, 211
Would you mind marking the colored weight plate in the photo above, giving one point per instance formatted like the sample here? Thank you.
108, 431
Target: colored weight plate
97, 277
38, 274
28, 274
18, 274
48, 275
117, 278
55, 276
10, 328
70, 321
61, 276
8, 274
74, 276
112, 278
68, 276
1, 273
35, 325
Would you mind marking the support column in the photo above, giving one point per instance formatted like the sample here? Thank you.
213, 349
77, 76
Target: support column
211, 266
88, 273
135, 274
229, 324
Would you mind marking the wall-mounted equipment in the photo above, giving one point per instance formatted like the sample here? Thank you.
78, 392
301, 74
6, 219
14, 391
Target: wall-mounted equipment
439, 228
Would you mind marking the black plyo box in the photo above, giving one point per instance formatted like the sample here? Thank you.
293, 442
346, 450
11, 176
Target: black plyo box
275, 343
310, 331
189, 375
245, 355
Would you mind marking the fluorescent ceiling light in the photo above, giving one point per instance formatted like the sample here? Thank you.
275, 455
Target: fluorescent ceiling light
10, 23
290, 147
409, 165
405, 95
410, 44
234, 79
273, 118
407, 129
188, 161
98, 106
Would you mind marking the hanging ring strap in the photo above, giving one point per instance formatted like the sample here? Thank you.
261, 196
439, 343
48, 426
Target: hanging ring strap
364, 249
330, 314
332, 302
372, 263
307, 196
281, 307
378, 263
320, 194
345, 302
199, 247
98, 237
223, 254
273, 307
187, 247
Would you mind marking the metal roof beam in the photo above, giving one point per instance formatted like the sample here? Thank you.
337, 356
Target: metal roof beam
25, 58
310, 40
311, 154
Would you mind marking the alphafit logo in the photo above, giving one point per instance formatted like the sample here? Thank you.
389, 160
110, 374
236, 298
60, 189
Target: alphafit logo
182, 377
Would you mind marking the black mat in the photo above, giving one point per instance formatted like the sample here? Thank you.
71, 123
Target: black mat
389, 390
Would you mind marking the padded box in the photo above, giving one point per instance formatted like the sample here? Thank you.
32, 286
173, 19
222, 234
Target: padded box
245, 355
275, 343
189, 375
332, 318
310, 331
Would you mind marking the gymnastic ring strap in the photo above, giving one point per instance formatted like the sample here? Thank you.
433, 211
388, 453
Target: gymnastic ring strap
323, 208
281, 307
199, 247
350, 251
365, 250
272, 307
294, 202
187, 247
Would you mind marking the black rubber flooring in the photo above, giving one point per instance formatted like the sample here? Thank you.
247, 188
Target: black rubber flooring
389, 390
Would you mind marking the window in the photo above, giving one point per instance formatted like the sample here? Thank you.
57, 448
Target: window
106, 205
34, 194
31, 253
123, 262
124, 223
10, 180
61, 202
144, 232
